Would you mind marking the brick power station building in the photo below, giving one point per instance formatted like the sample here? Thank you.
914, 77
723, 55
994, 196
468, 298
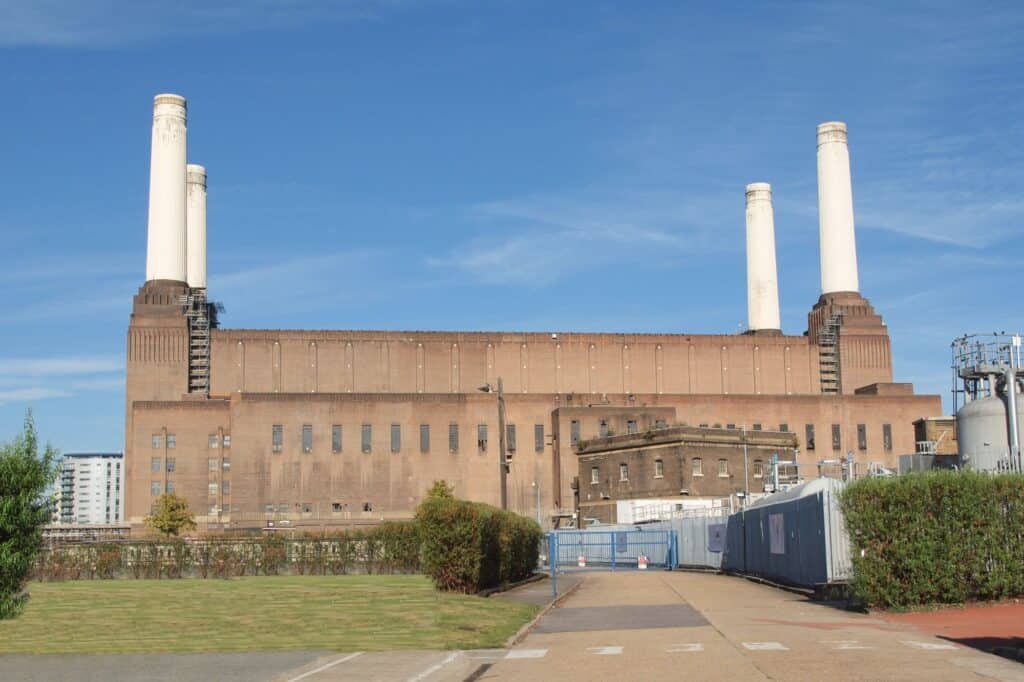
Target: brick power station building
335, 426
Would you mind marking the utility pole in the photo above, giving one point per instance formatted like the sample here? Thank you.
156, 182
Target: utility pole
746, 475
502, 460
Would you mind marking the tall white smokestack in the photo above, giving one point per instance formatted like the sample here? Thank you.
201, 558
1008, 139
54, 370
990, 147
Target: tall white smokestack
165, 249
762, 276
195, 178
835, 211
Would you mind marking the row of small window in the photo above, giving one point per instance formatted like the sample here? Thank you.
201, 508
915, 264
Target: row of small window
157, 488
214, 463
697, 469
366, 438
862, 437
604, 429
308, 507
213, 442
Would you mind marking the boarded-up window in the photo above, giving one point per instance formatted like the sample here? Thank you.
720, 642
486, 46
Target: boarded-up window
510, 437
396, 438
453, 438
862, 437
538, 438
809, 434
367, 437
307, 438
887, 437
424, 438
336, 438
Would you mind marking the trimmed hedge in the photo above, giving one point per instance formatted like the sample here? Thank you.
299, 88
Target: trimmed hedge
936, 537
468, 546
387, 548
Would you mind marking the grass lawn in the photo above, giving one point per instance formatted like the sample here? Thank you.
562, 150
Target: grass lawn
342, 613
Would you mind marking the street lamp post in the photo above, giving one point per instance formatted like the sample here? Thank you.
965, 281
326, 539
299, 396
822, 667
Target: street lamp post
502, 461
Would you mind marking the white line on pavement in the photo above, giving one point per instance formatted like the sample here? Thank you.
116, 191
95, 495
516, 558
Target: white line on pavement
764, 646
434, 668
685, 648
844, 644
527, 653
326, 666
930, 646
605, 650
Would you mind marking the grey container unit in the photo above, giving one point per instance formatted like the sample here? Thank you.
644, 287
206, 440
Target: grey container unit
700, 539
797, 537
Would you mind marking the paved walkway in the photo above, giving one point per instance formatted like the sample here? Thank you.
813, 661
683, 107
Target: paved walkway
621, 626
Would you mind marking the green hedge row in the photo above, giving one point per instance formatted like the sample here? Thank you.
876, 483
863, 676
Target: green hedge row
937, 537
387, 548
468, 546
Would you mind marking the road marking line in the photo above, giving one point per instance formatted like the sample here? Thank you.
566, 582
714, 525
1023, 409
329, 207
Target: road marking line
764, 646
434, 668
605, 650
930, 646
326, 666
845, 644
527, 653
685, 648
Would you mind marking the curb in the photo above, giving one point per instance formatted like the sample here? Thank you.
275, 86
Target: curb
511, 586
525, 630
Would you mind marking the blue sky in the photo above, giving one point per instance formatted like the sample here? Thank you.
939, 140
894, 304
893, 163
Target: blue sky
512, 165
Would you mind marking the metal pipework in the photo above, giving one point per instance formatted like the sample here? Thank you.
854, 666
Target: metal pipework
1011, 409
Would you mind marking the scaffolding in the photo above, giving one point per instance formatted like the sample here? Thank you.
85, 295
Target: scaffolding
202, 317
828, 355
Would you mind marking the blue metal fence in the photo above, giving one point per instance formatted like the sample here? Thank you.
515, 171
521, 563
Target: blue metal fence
609, 550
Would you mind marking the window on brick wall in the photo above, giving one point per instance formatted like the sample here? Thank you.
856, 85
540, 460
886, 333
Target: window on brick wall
171, 487
277, 437
697, 466
212, 441
307, 438
154, 488
758, 468
213, 463
172, 441
757, 427
595, 475
453, 438
510, 437
630, 426
659, 469
227, 464
538, 438
623, 472
836, 441
660, 423
481, 437
154, 465
574, 431
366, 437
603, 428
723, 468
424, 438
336, 438
172, 464
396, 438
862, 437
887, 437
212, 489
809, 435
158, 441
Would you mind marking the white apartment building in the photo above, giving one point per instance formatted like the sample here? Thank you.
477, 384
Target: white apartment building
91, 485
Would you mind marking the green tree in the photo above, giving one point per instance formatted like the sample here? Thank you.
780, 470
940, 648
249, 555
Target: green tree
25, 474
440, 490
171, 516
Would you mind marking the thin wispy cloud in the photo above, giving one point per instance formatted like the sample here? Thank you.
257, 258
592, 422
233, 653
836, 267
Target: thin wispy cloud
31, 394
60, 366
115, 23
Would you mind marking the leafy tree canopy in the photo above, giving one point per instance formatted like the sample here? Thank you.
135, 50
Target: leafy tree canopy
171, 516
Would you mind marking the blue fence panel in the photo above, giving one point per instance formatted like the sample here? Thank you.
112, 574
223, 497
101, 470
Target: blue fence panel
611, 549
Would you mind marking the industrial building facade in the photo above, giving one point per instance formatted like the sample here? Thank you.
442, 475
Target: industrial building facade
335, 426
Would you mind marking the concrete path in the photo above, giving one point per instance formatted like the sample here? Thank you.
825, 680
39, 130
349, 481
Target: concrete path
621, 626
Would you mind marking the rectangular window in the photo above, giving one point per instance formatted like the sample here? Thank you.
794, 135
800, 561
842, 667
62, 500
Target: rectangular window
659, 469
862, 437
172, 441
212, 489
453, 438
171, 464
227, 464
154, 465
481, 437
336, 438
703, 426
836, 443
283, 508
698, 467
757, 427
213, 463
758, 468
367, 437
158, 441
396, 438
887, 437
154, 488
630, 426
227, 440
171, 487
277, 437
723, 468
603, 428
595, 475
510, 437
784, 428
623, 472
225, 508
307, 438
660, 423
809, 434
212, 441
336, 507
574, 432
226, 487
424, 438
538, 438
730, 426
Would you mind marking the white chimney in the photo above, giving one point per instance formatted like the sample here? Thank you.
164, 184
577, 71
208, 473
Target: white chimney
195, 179
762, 275
835, 211
165, 249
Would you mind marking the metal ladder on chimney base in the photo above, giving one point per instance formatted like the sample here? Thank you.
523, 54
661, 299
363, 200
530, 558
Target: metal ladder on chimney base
197, 312
828, 355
